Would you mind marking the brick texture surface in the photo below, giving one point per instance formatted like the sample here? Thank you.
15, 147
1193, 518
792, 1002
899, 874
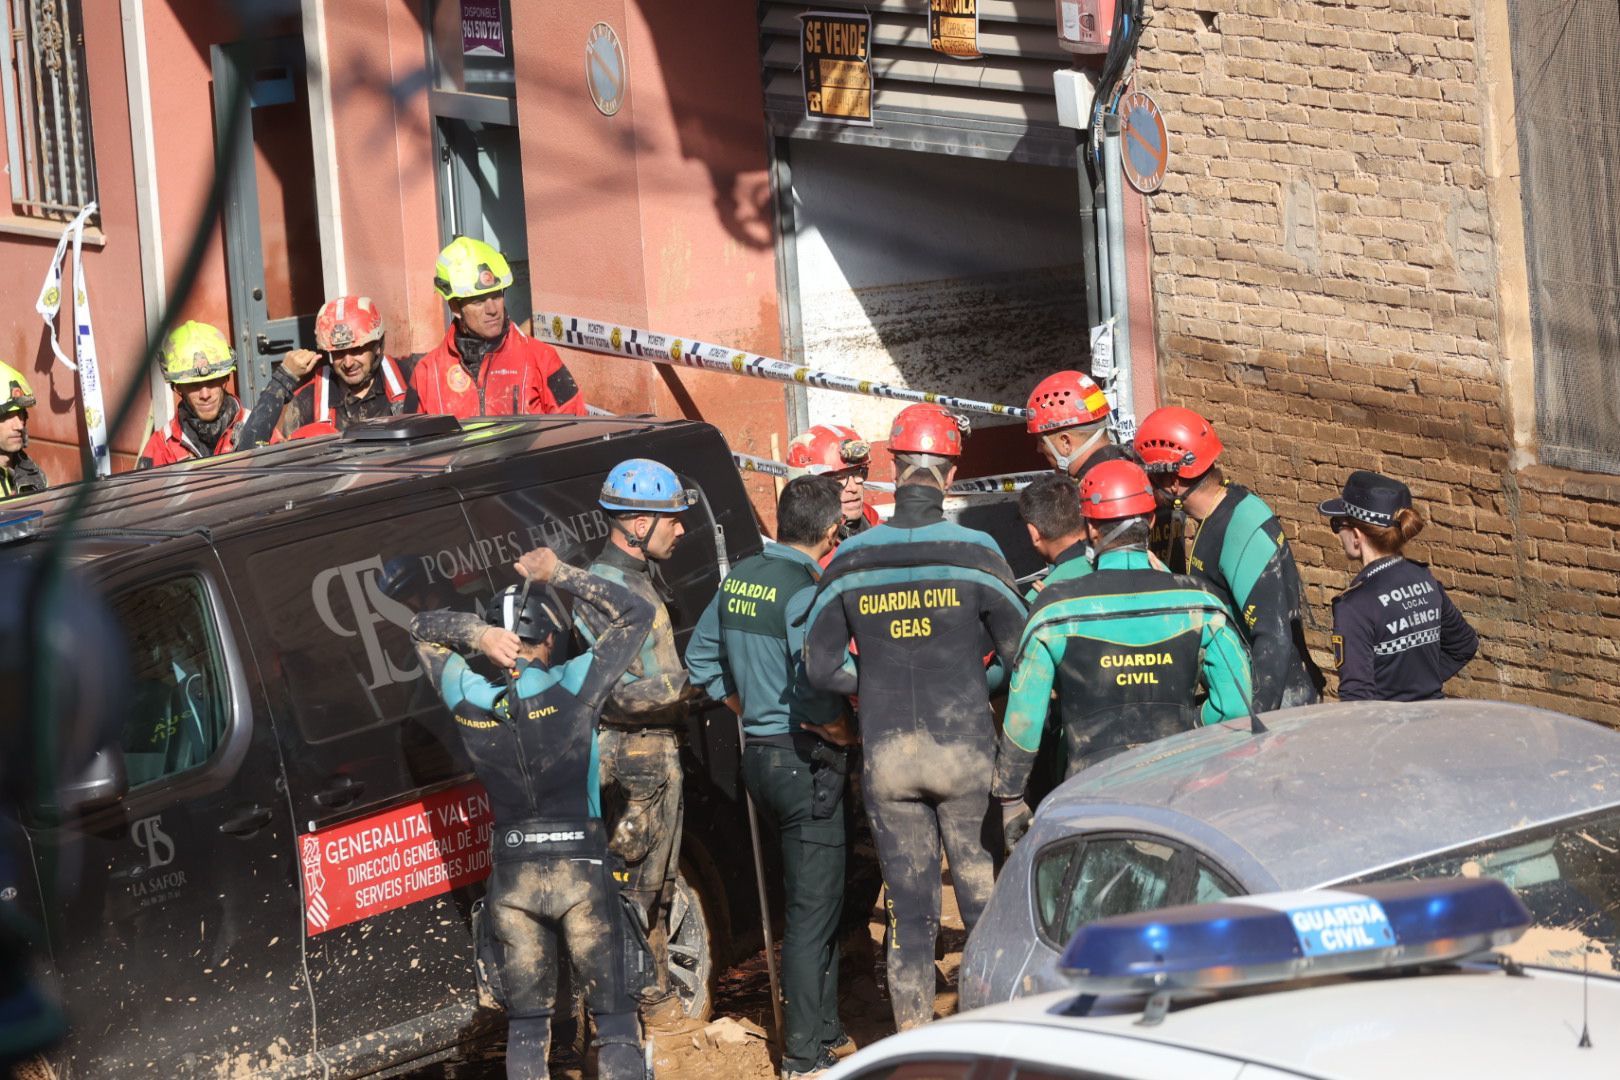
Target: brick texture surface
1325, 284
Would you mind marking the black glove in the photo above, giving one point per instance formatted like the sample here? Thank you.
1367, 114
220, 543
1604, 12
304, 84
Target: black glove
1015, 820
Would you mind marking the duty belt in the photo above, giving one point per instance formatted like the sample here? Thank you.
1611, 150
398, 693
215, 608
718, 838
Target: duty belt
539, 838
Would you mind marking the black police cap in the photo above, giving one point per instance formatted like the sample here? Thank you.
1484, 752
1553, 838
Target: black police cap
1370, 498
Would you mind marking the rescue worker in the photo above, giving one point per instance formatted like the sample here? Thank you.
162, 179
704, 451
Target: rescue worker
746, 651
839, 452
924, 600
358, 382
18, 473
197, 360
532, 740
1050, 507
1129, 648
1069, 414
486, 366
645, 714
1239, 553
1396, 634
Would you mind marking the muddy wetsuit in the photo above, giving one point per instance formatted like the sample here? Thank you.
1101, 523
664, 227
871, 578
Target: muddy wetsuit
1241, 555
1396, 634
925, 600
551, 893
641, 762
1128, 649
746, 643
21, 477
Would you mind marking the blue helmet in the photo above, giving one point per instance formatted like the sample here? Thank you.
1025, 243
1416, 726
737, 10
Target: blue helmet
643, 486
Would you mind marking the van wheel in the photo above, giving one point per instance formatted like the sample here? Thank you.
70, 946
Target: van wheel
691, 948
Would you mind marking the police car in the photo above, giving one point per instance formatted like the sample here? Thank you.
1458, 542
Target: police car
1375, 981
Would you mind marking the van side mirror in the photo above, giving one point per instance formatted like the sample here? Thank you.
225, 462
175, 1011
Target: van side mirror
103, 782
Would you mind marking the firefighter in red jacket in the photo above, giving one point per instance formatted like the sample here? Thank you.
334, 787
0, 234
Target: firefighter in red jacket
358, 382
197, 362
486, 366
839, 452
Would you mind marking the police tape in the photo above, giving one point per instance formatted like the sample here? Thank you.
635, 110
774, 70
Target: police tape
638, 344
979, 485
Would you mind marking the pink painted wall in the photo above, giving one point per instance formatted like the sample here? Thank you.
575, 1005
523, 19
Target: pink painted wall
112, 271
658, 216
385, 167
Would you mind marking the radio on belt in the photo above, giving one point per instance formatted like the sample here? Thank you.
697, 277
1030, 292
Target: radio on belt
1275, 937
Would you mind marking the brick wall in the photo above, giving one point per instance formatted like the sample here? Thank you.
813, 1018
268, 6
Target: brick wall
1325, 270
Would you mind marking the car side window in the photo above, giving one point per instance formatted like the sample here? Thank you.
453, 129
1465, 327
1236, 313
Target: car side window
1094, 878
1210, 885
180, 707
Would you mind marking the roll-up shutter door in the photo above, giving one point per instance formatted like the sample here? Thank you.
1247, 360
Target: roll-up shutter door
999, 107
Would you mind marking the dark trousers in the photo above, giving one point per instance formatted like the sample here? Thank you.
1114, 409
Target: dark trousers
779, 779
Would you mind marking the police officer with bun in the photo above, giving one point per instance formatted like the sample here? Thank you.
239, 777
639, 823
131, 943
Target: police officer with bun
1396, 634
532, 740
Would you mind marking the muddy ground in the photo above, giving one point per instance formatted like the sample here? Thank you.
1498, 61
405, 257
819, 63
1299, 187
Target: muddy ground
743, 997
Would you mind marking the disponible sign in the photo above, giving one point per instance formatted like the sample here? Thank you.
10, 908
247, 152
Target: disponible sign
836, 55
481, 30
402, 855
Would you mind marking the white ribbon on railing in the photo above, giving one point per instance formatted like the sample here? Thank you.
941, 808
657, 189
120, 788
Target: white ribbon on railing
639, 344
84, 338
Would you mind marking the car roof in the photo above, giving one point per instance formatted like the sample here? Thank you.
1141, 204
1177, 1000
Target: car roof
211, 494
1474, 1020
1329, 792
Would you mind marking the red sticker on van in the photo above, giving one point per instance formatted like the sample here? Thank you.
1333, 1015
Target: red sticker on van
408, 853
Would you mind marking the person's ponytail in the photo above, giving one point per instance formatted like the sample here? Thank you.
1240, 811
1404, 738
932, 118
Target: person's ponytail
1408, 523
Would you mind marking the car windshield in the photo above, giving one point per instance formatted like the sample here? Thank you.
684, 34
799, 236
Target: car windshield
1567, 874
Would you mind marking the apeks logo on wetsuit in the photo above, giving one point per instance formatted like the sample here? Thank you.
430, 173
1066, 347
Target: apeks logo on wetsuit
516, 838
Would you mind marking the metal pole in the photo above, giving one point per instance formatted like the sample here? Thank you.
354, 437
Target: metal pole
1114, 181
1088, 232
764, 904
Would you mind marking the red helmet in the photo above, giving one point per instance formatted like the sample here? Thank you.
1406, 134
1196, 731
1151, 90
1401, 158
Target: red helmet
1116, 489
1177, 440
828, 448
1066, 399
925, 429
347, 322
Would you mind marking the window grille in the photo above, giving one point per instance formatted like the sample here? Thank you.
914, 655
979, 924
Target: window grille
48, 148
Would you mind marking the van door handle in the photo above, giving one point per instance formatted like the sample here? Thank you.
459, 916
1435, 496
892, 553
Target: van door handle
246, 821
343, 790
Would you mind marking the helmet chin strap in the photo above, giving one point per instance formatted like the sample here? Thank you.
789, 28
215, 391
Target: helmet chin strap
638, 543
931, 470
1066, 461
1107, 539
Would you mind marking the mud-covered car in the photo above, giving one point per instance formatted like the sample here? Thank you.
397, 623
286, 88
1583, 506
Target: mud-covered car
273, 870
1327, 795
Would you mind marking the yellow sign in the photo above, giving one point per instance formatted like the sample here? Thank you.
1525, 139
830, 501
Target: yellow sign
835, 53
953, 28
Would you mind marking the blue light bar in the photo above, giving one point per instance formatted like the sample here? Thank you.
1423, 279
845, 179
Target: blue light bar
1278, 936
20, 524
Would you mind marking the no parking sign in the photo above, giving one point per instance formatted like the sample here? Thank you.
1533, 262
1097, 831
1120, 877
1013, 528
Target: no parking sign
1145, 143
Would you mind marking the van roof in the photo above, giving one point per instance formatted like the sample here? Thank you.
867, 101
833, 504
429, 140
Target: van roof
209, 495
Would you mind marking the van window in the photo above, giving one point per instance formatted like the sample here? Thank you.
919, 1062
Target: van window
180, 708
335, 613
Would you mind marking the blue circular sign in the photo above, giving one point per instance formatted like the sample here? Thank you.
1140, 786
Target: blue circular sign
605, 71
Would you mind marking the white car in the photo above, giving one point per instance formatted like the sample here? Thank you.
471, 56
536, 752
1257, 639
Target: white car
1368, 983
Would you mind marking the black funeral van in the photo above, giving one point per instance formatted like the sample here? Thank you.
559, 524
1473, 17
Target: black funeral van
272, 874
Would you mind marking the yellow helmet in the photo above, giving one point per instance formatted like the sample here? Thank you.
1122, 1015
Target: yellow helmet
197, 352
15, 393
469, 268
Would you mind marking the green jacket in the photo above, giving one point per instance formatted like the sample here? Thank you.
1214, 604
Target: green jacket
747, 643
1129, 648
